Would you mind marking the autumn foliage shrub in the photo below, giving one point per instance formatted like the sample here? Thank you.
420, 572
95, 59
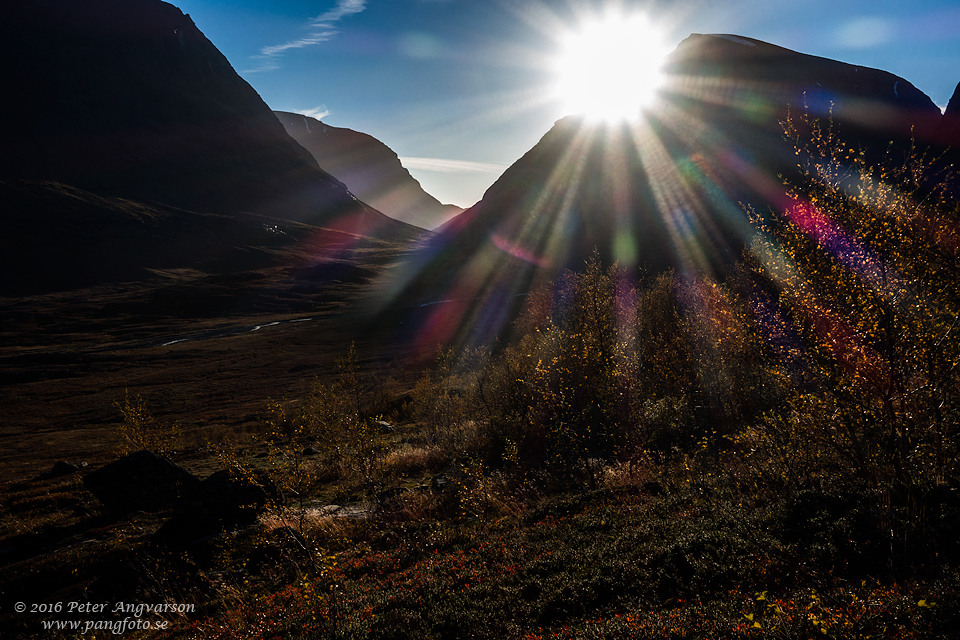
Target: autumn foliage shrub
140, 430
862, 267
609, 369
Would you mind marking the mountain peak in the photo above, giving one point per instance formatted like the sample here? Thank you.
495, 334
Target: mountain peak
126, 100
370, 169
669, 192
870, 101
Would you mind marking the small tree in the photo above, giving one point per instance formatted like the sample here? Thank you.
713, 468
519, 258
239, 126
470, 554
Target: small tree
139, 430
864, 263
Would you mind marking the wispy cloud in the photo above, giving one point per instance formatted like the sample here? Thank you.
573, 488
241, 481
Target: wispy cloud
275, 50
317, 112
451, 166
321, 29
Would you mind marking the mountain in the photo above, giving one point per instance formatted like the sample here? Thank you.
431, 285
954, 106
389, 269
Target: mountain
126, 102
948, 132
370, 169
667, 193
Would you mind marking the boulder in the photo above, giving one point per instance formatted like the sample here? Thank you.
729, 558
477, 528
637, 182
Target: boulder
440, 482
59, 469
452, 480
141, 481
224, 501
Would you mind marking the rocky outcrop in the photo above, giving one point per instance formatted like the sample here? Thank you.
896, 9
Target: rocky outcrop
141, 481
58, 470
223, 501
370, 169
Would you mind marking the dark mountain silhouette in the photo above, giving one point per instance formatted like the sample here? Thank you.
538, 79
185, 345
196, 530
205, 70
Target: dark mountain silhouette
126, 101
370, 169
948, 132
667, 193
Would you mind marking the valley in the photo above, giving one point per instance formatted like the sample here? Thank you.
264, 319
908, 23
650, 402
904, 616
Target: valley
687, 371
207, 351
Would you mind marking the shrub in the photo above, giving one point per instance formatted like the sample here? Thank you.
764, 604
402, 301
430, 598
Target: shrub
863, 265
139, 430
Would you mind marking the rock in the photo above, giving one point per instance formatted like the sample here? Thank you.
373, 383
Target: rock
384, 427
60, 468
225, 500
310, 451
141, 481
453, 480
204, 551
81, 511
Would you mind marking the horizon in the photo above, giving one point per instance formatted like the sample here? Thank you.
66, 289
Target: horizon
461, 89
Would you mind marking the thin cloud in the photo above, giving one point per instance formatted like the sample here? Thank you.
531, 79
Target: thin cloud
443, 165
344, 8
316, 38
322, 28
318, 112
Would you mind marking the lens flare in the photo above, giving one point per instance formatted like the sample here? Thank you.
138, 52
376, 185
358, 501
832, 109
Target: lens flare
610, 68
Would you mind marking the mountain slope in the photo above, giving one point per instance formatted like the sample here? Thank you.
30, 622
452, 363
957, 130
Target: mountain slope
126, 99
666, 193
370, 169
948, 132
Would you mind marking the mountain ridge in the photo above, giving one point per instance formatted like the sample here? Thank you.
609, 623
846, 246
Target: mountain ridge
369, 168
669, 192
129, 100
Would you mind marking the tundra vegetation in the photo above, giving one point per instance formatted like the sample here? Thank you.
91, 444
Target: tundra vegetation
774, 455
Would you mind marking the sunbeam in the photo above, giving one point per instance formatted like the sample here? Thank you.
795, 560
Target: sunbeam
609, 68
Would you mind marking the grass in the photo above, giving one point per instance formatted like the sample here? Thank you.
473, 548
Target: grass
696, 561
689, 546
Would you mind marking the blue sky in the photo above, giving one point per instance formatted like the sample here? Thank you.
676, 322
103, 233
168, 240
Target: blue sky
460, 89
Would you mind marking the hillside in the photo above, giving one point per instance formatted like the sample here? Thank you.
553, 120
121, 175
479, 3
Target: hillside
670, 191
370, 169
129, 104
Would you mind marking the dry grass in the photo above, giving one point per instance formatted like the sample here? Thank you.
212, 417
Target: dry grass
321, 525
621, 475
414, 461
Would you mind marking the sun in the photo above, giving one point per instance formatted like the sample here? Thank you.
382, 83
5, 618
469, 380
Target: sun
609, 68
